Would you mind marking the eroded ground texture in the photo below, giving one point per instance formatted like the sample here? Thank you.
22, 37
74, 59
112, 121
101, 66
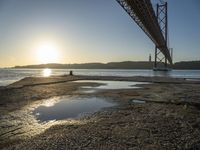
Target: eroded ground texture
170, 118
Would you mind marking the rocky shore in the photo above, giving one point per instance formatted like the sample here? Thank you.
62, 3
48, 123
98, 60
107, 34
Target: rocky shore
169, 118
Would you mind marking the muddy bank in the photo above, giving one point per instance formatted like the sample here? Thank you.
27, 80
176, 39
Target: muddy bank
169, 120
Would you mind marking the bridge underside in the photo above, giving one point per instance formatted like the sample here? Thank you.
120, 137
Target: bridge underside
142, 12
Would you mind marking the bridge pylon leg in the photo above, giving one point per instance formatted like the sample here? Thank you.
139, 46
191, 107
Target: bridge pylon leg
161, 63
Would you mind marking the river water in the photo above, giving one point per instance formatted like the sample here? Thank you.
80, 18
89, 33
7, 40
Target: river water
8, 76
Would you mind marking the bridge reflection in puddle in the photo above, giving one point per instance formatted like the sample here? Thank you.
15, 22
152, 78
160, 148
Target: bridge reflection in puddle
70, 108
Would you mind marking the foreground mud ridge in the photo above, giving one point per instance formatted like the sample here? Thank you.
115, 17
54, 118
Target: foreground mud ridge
170, 118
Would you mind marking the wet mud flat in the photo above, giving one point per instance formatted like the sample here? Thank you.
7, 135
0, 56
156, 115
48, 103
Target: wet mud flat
169, 118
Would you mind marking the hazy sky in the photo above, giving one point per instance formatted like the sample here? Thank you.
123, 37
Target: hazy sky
89, 31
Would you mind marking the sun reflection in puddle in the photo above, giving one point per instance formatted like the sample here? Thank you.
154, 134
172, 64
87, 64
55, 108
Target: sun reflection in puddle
50, 102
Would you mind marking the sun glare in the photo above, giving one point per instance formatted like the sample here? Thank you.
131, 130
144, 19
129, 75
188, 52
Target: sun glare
47, 53
47, 72
49, 103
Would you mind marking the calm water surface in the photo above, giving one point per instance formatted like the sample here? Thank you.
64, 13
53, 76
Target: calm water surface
8, 76
68, 108
111, 85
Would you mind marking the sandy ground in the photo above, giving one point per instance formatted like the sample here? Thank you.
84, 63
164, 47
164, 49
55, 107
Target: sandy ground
170, 118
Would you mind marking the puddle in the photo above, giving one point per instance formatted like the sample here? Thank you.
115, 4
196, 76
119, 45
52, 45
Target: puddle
138, 101
112, 85
87, 90
192, 79
70, 108
35, 118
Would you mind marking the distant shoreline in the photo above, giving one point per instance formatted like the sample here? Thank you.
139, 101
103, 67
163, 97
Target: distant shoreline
186, 65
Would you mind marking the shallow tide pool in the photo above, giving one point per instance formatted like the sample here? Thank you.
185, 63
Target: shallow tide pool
69, 108
112, 85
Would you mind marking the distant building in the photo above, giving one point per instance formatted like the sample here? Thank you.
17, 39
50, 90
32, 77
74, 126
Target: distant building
149, 57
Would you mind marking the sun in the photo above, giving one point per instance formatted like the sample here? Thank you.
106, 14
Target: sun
47, 53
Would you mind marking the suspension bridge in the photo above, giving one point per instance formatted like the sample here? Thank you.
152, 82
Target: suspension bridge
155, 26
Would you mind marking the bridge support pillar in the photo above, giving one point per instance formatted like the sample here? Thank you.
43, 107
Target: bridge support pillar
161, 63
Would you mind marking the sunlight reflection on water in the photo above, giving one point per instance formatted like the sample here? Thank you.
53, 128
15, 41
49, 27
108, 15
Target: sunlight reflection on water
47, 72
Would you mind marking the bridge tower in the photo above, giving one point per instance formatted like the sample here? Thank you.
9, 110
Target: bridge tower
161, 62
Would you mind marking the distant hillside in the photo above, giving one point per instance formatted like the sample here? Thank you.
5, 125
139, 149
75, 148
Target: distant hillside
114, 65
193, 65
110, 65
130, 65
